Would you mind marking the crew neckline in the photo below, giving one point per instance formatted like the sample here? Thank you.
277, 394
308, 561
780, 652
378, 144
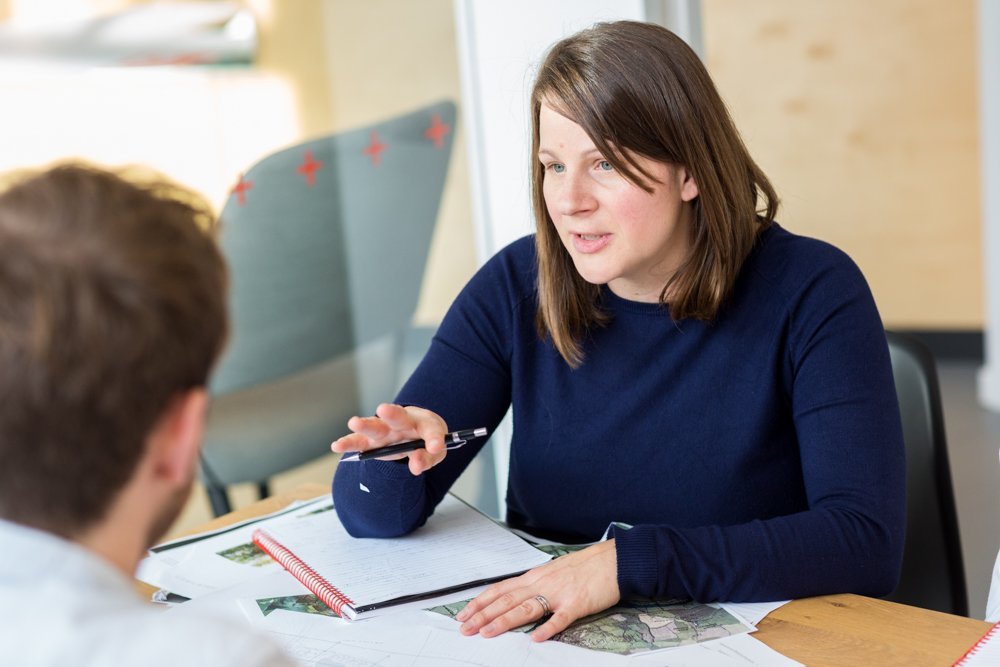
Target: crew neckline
617, 303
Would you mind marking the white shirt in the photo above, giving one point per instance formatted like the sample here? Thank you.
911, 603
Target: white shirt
60, 604
993, 603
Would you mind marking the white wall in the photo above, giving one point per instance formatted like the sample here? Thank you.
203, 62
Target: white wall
199, 126
988, 26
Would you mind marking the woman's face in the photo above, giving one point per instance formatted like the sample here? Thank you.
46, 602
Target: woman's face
617, 233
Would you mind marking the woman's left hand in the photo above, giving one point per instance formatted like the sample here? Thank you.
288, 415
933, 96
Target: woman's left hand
573, 586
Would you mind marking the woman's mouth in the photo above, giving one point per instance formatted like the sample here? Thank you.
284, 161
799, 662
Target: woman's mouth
590, 243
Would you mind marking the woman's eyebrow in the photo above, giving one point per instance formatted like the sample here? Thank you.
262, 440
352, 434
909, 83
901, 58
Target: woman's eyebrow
593, 152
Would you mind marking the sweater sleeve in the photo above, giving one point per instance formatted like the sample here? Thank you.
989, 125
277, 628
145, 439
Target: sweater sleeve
839, 384
465, 378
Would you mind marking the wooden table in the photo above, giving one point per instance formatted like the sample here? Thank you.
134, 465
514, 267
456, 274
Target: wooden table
857, 631
848, 630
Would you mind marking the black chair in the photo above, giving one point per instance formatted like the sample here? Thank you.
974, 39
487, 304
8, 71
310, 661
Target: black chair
933, 576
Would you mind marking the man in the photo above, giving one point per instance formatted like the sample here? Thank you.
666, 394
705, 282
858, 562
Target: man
112, 313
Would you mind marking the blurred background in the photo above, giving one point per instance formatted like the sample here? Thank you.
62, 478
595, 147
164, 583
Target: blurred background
864, 114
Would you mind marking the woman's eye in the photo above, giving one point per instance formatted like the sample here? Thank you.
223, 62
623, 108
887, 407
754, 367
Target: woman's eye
557, 168
604, 165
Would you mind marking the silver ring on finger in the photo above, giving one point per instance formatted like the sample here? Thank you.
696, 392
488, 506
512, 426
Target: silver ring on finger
546, 609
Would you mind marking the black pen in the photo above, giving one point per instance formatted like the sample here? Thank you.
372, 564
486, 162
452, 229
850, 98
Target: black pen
451, 441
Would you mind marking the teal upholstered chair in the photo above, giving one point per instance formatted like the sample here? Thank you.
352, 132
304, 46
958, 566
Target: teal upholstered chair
326, 243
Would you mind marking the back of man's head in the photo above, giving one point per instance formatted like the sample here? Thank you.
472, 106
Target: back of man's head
112, 302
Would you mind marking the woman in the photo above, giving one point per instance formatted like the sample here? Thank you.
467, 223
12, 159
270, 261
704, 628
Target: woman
674, 358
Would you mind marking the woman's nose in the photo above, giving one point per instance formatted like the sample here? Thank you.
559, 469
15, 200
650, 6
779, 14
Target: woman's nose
573, 195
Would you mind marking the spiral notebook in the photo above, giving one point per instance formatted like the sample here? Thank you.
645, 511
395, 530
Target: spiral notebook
985, 652
457, 548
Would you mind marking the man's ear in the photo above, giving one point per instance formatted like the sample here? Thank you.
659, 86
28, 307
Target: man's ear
688, 186
176, 438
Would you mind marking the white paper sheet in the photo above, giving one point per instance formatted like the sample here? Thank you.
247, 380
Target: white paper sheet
196, 567
738, 651
457, 545
419, 638
753, 612
411, 636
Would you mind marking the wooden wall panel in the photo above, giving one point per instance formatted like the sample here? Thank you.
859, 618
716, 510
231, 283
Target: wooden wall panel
864, 115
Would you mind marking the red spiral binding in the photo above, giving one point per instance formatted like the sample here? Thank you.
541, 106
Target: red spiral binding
320, 587
970, 655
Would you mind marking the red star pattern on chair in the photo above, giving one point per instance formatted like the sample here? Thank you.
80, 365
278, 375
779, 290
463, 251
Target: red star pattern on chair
309, 167
241, 188
374, 149
437, 131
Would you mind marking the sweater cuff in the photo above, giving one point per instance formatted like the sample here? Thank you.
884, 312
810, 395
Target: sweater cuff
638, 571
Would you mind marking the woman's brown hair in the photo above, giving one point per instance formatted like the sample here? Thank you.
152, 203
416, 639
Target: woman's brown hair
638, 89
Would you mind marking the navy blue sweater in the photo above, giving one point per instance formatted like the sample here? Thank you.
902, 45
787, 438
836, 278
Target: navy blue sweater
759, 457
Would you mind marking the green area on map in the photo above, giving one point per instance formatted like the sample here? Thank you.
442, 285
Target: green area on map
639, 626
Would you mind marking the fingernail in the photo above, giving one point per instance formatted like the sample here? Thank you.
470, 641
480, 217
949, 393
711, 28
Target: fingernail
487, 630
462, 615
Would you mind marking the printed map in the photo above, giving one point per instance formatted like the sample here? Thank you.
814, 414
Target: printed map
246, 554
306, 604
630, 627
251, 554
640, 626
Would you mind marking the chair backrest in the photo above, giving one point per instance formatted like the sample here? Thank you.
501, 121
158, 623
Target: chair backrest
933, 575
327, 243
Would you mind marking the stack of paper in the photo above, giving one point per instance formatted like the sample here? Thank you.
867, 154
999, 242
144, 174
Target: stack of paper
224, 573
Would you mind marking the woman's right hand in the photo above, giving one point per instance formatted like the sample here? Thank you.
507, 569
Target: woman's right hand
394, 423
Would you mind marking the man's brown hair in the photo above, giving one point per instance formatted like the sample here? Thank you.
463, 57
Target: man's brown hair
112, 301
638, 89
